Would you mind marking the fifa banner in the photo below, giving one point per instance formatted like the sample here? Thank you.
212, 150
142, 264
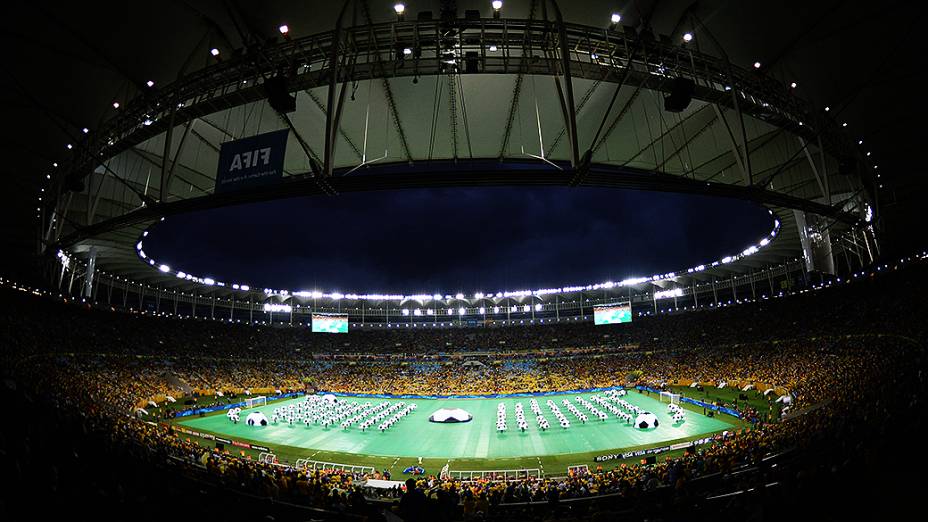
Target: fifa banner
251, 162
611, 314
652, 451
479, 396
230, 442
330, 323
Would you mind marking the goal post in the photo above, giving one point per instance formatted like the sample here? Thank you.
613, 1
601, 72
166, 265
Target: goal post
254, 402
672, 398
267, 458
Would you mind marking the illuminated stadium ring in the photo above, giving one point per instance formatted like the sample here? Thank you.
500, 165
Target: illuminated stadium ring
386, 137
315, 294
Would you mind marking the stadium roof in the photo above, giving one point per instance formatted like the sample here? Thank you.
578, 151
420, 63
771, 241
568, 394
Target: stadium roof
409, 123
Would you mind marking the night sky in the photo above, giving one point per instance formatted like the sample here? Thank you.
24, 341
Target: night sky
462, 239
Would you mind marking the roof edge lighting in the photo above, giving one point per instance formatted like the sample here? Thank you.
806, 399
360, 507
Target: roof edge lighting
422, 298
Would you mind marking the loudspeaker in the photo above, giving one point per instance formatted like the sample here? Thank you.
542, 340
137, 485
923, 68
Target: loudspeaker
681, 94
470, 62
277, 96
74, 183
846, 167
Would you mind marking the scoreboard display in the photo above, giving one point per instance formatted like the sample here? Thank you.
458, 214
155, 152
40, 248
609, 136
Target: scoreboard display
330, 323
611, 314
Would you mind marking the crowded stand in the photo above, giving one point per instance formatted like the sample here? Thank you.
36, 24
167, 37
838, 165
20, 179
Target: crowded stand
860, 347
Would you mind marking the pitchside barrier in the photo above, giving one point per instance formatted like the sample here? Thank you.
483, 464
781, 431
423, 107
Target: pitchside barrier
242, 404
504, 474
701, 404
307, 464
488, 396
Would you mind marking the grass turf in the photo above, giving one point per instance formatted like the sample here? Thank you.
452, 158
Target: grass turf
475, 445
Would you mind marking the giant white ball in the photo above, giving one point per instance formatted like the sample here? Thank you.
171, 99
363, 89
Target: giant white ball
450, 415
646, 420
256, 418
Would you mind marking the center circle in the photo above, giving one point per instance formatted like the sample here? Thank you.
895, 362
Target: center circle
425, 240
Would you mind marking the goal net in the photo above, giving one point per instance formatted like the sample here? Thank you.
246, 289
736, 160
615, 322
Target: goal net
253, 402
672, 398
267, 458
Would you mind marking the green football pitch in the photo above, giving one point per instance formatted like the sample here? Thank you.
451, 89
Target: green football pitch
471, 445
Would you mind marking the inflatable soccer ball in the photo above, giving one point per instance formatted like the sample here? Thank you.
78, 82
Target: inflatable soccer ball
450, 415
646, 420
256, 419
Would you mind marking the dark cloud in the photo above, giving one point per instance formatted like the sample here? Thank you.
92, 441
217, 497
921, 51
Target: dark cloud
457, 239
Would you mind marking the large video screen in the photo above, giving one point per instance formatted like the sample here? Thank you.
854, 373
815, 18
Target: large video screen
330, 323
612, 314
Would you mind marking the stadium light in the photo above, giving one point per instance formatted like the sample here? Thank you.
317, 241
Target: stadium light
687, 37
400, 10
283, 29
459, 296
497, 5
615, 19
115, 106
150, 83
85, 130
164, 268
757, 65
214, 51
